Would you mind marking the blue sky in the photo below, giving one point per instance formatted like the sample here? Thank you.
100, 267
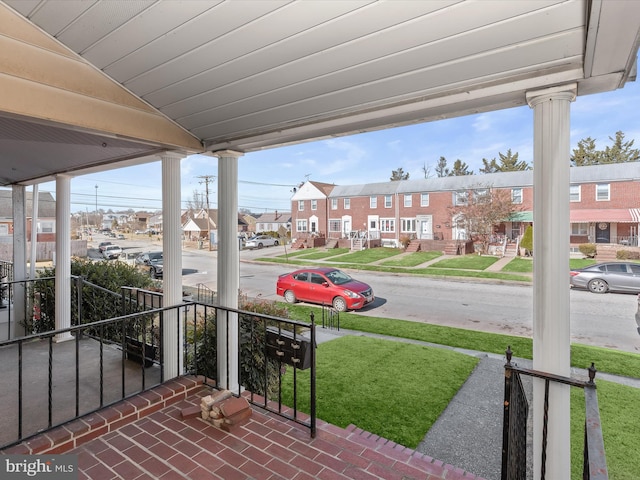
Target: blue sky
267, 177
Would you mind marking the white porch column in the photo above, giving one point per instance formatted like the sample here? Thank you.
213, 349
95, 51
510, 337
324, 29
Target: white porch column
228, 281
172, 264
551, 327
18, 199
63, 255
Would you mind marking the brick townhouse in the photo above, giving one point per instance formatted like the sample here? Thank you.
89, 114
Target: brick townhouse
604, 208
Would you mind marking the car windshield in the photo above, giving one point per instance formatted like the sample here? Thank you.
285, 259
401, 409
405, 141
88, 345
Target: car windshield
155, 256
338, 277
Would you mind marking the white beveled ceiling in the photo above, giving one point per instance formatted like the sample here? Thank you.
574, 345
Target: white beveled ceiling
99, 83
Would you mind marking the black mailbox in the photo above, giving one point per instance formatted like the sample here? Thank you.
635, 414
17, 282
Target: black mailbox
281, 345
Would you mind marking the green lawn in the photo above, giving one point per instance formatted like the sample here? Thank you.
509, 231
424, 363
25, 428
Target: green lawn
619, 404
320, 254
468, 262
412, 259
367, 382
525, 265
369, 255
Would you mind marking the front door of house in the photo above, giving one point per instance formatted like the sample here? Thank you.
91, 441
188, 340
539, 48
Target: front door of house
603, 232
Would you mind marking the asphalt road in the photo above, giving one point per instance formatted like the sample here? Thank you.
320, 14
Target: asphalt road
602, 320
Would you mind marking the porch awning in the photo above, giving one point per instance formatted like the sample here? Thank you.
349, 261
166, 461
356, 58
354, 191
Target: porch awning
609, 215
526, 216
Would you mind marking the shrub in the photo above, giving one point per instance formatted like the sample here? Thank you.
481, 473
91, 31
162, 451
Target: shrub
405, 240
627, 255
260, 374
527, 240
96, 304
588, 249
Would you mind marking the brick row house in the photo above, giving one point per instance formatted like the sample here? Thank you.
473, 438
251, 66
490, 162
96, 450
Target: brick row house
604, 208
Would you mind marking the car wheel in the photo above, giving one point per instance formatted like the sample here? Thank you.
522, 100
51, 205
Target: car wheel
259, 245
339, 304
598, 285
275, 244
290, 297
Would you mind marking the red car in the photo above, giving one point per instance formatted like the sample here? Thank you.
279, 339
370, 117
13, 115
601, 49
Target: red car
328, 286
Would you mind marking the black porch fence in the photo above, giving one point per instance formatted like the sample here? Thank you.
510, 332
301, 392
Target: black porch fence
516, 411
50, 378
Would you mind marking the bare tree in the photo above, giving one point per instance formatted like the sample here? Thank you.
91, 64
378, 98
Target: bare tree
486, 209
197, 202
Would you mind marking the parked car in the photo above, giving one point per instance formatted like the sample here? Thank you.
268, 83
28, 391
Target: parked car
608, 277
120, 236
103, 245
259, 241
638, 314
111, 251
326, 285
151, 262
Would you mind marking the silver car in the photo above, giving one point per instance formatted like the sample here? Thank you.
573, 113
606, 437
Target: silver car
608, 277
260, 241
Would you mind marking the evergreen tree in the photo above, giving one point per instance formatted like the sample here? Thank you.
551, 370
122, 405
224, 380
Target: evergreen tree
399, 174
460, 169
620, 151
441, 168
509, 162
585, 153
489, 166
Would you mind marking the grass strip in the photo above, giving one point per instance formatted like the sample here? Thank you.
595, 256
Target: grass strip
381, 384
467, 262
606, 360
412, 259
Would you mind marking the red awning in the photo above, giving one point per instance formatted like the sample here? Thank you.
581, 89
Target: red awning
609, 215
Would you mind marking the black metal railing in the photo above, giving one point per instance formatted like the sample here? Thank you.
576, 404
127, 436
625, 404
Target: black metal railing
516, 410
270, 349
330, 317
205, 295
51, 378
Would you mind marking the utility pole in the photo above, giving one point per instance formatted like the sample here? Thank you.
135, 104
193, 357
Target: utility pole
206, 179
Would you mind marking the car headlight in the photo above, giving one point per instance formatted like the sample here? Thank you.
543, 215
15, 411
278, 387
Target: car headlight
351, 294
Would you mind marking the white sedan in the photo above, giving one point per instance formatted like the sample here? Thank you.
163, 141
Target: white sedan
260, 241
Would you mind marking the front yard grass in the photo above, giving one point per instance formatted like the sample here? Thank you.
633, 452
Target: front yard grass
345, 387
525, 265
467, 262
369, 255
395, 390
319, 254
412, 259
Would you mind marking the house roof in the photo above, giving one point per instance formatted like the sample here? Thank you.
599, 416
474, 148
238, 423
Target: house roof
98, 85
46, 204
614, 172
274, 217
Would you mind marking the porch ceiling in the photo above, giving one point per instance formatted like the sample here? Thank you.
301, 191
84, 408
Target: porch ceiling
98, 84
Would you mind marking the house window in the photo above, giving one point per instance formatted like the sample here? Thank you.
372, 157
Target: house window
301, 226
574, 193
347, 203
373, 201
300, 205
408, 225
334, 204
481, 195
424, 199
314, 204
516, 195
387, 201
407, 200
460, 197
335, 225
388, 225
46, 227
603, 192
579, 229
